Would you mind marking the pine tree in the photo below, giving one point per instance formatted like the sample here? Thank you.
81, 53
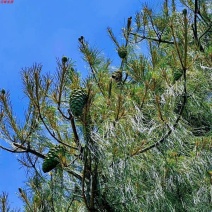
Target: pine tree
134, 139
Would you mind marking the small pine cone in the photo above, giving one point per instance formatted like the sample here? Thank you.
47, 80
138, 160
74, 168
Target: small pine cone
177, 75
117, 76
3, 91
184, 12
122, 52
52, 158
64, 59
77, 102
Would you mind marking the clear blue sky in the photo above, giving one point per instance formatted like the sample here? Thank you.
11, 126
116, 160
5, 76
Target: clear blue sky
40, 31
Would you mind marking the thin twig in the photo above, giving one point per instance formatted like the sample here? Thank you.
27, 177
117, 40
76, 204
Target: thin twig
12, 150
153, 39
84, 48
34, 152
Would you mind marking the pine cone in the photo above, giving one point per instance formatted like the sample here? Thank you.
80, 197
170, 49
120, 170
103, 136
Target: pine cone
177, 75
52, 158
64, 59
117, 76
78, 100
122, 52
3, 91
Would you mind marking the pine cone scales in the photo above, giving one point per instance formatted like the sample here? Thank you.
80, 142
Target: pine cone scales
117, 76
177, 75
78, 100
52, 158
122, 52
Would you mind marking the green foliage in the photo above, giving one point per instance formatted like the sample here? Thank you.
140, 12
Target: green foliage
4, 203
133, 138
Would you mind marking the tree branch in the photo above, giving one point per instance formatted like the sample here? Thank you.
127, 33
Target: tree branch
153, 39
34, 152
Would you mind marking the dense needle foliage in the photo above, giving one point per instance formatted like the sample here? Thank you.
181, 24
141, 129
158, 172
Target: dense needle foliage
131, 138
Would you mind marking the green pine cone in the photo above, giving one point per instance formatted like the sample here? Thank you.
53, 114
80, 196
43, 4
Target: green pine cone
122, 52
64, 59
77, 102
3, 91
52, 158
177, 75
184, 12
49, 164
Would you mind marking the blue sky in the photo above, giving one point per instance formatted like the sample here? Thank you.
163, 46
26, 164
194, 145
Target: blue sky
41, 31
